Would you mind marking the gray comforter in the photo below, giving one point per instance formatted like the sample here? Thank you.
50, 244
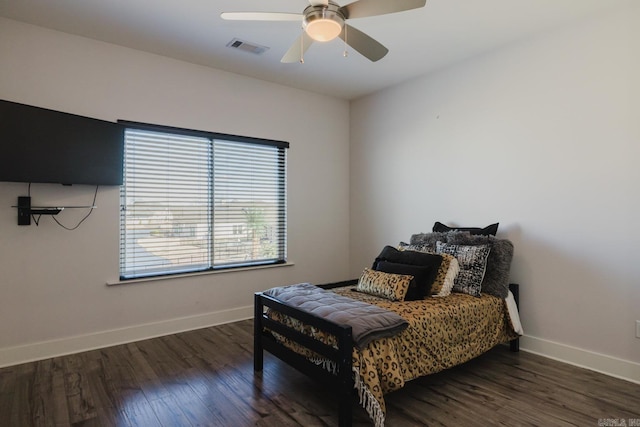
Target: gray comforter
368, 322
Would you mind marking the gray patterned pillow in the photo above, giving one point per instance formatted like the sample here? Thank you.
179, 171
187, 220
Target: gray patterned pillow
430, 239
496, 278
473, 264
427, 239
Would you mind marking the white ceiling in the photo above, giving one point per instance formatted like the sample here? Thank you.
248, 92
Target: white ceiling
421, 40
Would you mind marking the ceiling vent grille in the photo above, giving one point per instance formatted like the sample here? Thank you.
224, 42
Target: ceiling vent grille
256, 49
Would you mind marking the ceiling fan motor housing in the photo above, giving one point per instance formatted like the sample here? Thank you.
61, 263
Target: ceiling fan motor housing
323, 23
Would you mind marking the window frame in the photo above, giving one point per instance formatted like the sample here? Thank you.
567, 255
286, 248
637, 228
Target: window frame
213, 136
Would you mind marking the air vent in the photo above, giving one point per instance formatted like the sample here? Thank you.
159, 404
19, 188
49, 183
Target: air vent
256, 49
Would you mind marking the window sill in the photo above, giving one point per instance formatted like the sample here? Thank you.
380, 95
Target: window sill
200, 273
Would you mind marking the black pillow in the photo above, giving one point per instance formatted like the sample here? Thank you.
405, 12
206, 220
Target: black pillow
419, 286
489, 230
391, 254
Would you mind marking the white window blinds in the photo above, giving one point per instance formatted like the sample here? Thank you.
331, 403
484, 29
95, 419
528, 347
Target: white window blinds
194, 201
248, 203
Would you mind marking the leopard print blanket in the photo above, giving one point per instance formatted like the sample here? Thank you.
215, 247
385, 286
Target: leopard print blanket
442, 333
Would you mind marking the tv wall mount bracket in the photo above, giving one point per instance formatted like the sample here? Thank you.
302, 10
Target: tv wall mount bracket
25, 210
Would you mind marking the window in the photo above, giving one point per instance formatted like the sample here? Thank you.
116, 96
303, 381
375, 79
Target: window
196, 201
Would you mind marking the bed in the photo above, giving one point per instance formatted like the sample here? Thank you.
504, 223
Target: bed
441, 331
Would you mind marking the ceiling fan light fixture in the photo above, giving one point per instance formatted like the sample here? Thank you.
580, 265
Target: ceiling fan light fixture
323, 23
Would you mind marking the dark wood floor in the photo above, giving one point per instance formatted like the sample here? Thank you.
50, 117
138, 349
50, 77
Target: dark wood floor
205, 378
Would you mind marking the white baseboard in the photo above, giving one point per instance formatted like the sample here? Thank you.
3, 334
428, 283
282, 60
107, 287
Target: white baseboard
608, 365
46, 349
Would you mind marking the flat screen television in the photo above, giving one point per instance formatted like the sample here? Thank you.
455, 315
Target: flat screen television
46, 146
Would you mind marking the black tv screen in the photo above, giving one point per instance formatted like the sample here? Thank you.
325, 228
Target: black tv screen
41, 145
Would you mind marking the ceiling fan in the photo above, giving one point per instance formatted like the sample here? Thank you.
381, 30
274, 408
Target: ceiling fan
324, 20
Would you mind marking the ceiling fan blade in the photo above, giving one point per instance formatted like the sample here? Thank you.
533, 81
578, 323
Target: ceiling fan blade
261, 16
319, 2
364, 44
297, 49
364, 8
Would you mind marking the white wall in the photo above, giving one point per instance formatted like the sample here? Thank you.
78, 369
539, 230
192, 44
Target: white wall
53, 293
542, 136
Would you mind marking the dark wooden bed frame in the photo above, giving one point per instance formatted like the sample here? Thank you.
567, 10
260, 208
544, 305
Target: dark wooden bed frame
342, 380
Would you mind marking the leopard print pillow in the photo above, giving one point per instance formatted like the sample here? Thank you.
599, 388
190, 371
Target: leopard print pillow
447, 274
386, 285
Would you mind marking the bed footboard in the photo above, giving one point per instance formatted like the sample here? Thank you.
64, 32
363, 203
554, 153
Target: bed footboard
341, 380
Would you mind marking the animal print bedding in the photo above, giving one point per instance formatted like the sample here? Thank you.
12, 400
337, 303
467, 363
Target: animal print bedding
442, 333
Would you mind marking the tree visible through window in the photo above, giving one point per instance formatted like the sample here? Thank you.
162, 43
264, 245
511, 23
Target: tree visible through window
195, 201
